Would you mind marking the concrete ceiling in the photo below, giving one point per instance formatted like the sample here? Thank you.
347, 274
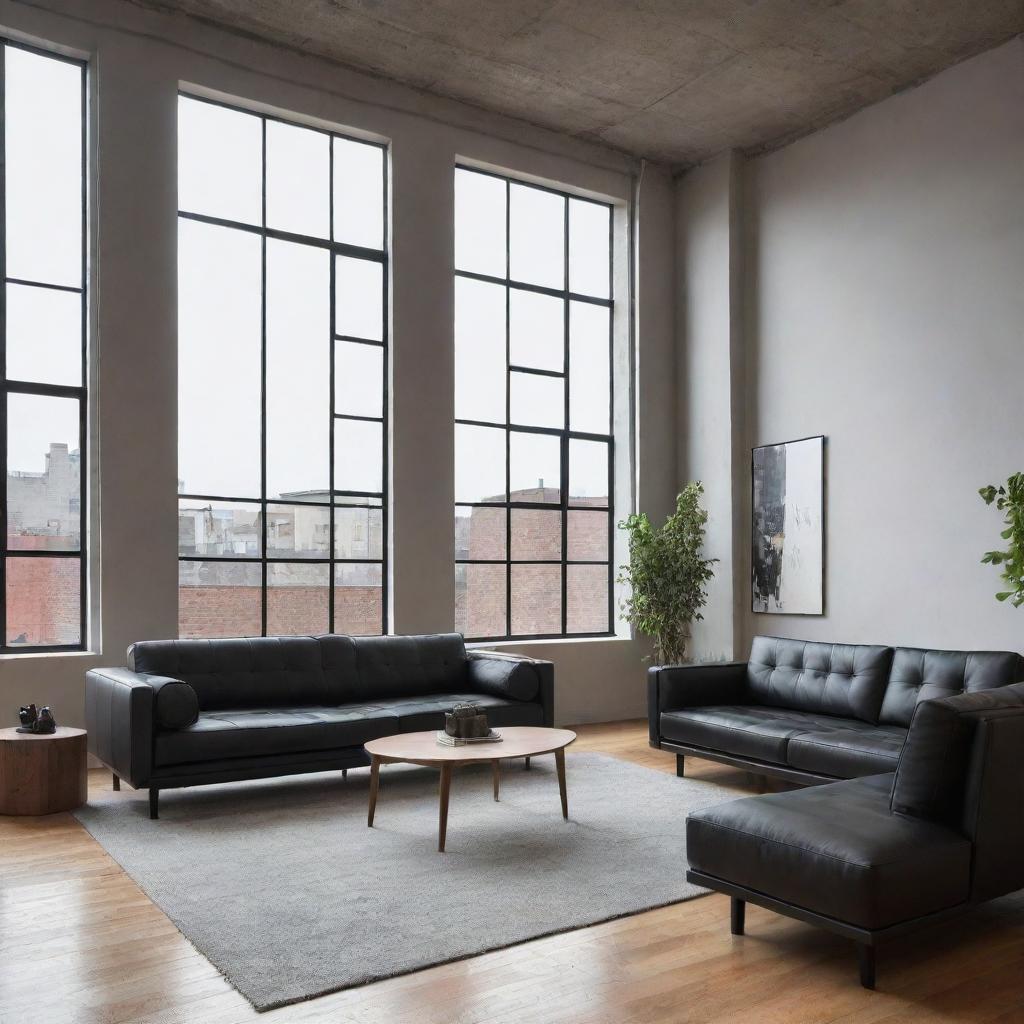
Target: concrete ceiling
672, 80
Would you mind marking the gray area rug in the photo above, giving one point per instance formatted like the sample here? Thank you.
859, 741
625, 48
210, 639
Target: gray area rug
285, 890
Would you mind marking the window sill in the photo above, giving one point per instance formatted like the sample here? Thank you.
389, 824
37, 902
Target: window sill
484, 645
24, 655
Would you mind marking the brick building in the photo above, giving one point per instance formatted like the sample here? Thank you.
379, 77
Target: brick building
225, 598
535, 534
44, 514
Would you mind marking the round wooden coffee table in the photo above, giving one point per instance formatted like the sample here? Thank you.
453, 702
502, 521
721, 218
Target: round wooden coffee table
423, 748
42, 774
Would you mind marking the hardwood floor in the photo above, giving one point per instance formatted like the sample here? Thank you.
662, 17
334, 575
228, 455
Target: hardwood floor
81, 944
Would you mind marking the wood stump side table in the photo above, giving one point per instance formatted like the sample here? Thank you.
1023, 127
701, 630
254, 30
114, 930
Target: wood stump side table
42, 774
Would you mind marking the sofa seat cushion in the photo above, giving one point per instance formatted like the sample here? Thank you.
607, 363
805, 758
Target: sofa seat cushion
834, 850
848, 751
418, 714
266, 731
256, 732
743, 730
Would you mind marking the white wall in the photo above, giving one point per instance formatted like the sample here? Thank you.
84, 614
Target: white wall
139, 58
710, 374
885, 309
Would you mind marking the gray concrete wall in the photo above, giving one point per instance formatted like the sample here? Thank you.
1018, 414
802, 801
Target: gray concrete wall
139, 59
885, 304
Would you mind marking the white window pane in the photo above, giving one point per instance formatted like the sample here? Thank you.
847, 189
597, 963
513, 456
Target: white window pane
479, 463
589, 241
43, 133
359, 302
586, 589
587, 536
44, 335
535, 467
358, 193
479, 351
589, 368
536, 534
537, 401
298, 179
207, 527
536, 599
480, 532
358, 456
220, 161
54, 621
480, 600
298, 531
43, 473
537, 240
588, 473
358, 599
358, 532
297, 599
218, 599
479, 223
298, 369
358, 379
219, 326
536, 330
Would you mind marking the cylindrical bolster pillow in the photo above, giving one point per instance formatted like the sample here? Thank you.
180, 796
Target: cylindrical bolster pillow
176, 703
504, 677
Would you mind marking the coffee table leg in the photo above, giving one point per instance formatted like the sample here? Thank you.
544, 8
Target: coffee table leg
374, 783
496, 769
442, 822
560, 765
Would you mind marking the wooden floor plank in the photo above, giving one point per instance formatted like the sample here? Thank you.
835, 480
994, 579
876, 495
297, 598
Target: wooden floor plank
70, 915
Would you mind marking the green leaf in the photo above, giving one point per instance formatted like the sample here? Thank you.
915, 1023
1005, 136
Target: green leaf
1004, 595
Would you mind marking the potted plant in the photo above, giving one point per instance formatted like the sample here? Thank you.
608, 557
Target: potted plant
667, 574
1009, 498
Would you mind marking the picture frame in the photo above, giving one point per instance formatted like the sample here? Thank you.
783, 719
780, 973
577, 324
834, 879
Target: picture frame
788, 527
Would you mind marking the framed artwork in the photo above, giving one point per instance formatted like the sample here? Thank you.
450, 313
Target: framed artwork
788, 516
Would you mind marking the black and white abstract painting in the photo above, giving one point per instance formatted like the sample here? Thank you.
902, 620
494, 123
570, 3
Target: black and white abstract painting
788, 557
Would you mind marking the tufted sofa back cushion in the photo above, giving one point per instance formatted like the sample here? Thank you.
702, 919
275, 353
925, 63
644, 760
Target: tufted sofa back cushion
846, 680
409, 666
919, 675
237, 673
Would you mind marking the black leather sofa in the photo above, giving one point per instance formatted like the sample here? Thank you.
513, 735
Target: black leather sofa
195, 712
811, 712
876, 857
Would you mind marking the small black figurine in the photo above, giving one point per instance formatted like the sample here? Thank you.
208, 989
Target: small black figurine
28, 717
40, 723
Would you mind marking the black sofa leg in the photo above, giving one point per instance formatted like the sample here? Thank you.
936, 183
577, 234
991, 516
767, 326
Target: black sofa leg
738, 915
344, 773
680, 766
117, 782
154, 803
526, 767
866, 954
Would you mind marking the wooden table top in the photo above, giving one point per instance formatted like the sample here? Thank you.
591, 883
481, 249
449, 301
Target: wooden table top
517, 741
64, 732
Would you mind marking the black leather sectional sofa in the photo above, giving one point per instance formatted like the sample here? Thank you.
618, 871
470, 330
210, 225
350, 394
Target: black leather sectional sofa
811, 712
194, 712
935, 827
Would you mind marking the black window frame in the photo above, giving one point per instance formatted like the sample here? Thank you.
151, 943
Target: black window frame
77, 393
565, 434
336, 249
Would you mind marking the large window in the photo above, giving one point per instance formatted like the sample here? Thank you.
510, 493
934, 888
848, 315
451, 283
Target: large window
43, 351
282, 432
533, 408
